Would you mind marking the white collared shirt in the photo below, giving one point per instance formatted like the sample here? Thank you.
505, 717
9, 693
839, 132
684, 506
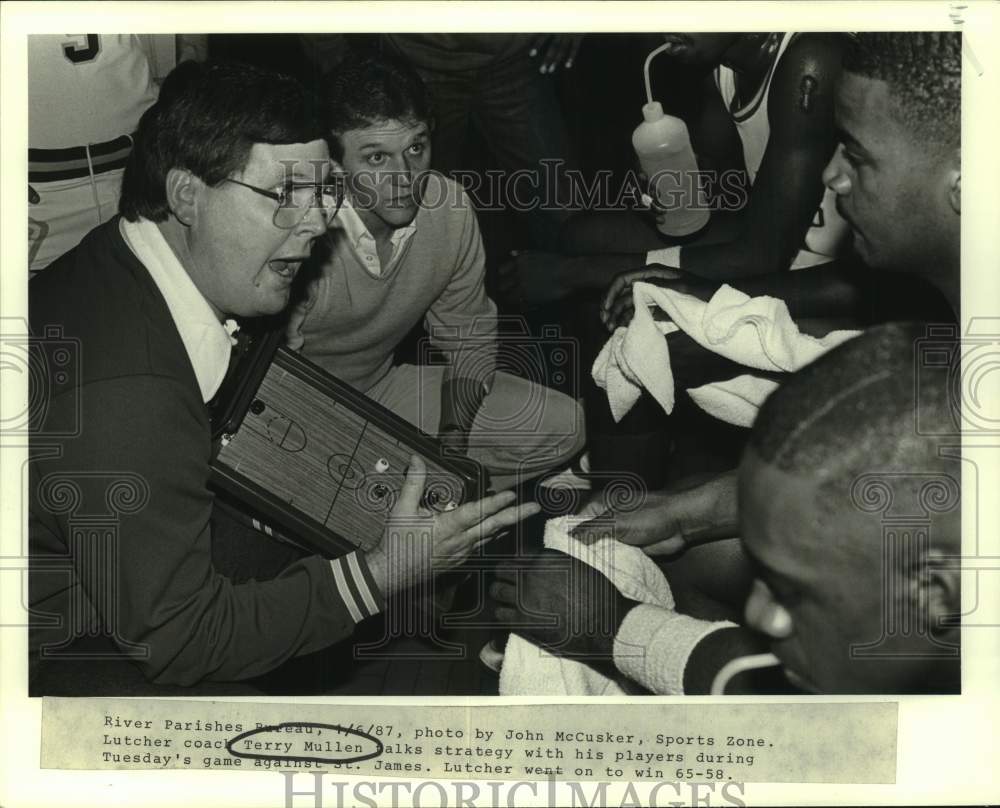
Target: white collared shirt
207, 341
363, 242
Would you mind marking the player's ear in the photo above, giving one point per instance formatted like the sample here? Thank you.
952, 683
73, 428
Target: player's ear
183, 190
954, 176
942, 592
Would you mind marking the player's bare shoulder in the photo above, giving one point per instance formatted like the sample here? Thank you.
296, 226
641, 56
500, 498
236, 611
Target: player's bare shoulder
802, 89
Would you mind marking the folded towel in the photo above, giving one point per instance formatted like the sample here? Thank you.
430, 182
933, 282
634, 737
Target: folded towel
530, 670
735, 401
757, 332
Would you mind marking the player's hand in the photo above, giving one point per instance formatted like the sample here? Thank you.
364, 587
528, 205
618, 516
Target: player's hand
418, 544
617, 300
554, 51
560, 603
669, 521
617, 307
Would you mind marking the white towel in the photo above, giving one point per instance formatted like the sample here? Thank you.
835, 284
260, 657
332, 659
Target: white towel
531, 671
757, 332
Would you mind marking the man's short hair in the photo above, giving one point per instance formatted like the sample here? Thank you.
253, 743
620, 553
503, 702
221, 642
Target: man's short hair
924, 72
370, 90
206, 120
854, 411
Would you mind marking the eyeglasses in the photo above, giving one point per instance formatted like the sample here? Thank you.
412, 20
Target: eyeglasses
295, 199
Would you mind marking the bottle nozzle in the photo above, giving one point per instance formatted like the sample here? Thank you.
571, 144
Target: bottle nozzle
645, 68
652, 111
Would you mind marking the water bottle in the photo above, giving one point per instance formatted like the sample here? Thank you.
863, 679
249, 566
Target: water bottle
663, 147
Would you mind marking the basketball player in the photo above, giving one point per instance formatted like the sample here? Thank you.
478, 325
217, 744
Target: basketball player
897, 177
767, 113
86, 93
897, 180
832, 589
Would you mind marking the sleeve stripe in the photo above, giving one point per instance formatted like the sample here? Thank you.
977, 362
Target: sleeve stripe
362, 584
344, 590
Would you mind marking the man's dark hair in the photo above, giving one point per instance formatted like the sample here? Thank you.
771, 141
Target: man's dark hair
370, 90
924, 72
854, 411
206, 120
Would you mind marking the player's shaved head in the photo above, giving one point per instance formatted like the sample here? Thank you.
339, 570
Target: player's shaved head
854, 411
851, 515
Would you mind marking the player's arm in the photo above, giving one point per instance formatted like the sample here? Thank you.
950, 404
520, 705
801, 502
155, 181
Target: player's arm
714, 137
840, 288
663, 650
788, 187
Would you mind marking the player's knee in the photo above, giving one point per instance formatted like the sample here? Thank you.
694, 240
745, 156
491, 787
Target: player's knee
564, 420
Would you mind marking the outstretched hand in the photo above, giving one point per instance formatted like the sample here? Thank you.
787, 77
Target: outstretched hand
562, 604
669, 521
418, 544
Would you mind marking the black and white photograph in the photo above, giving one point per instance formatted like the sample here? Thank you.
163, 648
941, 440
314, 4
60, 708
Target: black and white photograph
597, 366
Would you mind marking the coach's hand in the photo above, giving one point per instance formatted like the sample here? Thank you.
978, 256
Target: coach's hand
418, 544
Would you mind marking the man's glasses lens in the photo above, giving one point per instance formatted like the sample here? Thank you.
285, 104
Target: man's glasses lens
295, 200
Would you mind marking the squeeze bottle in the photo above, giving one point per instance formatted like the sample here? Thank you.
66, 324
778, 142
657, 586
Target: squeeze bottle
663, 147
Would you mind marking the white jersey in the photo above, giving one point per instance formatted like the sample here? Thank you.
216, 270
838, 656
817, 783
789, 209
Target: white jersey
829, 233
86, 93
91, 88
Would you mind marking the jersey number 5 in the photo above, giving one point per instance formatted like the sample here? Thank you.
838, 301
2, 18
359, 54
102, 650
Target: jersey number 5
78, 53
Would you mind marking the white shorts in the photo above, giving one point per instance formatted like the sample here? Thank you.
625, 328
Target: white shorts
66, 211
